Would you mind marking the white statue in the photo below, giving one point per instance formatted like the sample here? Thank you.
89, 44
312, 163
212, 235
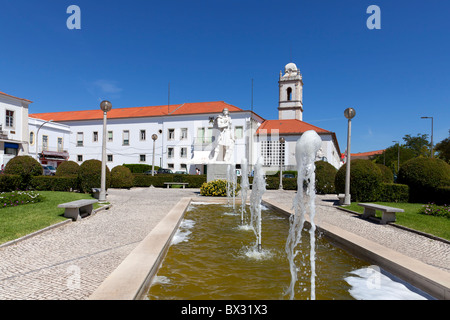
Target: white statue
224, 144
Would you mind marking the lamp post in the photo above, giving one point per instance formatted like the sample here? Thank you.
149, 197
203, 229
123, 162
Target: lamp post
398, 155
282, 141
349, 113
431, 133
154, 138
37, 137
105, 106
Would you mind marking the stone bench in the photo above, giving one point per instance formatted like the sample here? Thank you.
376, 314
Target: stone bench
168, 184
388, 213
78, 209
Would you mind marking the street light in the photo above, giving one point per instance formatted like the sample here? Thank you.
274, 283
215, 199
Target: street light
282, 141
105, 106
154, 138
431, 133
37, 137
349, 113
398, 155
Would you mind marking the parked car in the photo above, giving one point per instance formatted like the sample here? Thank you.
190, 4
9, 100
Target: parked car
49, 170
288, 175
150, 172
181, 172
162, 170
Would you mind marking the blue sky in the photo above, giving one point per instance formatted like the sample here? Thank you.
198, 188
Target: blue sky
209, 50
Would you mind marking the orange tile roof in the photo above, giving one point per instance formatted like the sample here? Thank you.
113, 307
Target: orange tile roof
8, 95
288, 126
138, 112
367, 154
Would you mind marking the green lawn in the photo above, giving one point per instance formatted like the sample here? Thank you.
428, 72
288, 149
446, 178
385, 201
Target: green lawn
16, 222
411, 218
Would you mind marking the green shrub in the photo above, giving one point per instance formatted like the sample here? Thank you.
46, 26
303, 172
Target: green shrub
387, 175
121, 177
216, 188
24, 166
90, 175
9, 182
68, 168
393, 192
442, 195
325, 177
273, 182
139, 167
17, 198
365, 180
54, 183
424, 176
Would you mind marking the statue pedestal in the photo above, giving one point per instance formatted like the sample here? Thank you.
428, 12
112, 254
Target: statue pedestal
216, 171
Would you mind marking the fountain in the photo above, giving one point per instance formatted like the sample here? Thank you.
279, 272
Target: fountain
210, 261
305, 152
231, 185
245, 186
258, 189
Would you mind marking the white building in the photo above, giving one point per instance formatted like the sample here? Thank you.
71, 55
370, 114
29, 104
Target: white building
184, 132
13, 127
48, 141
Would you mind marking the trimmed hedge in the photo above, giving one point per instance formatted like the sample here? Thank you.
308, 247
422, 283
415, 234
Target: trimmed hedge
146, 180
365, 180
217, 188
54, 183
10, 182
90, 175
68, 168
393, 192
325, 177
24, 166
121, 177
139, 167
425, 176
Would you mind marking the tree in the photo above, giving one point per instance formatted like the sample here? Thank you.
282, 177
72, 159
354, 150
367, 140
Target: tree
419, 144
443, 150
390, 156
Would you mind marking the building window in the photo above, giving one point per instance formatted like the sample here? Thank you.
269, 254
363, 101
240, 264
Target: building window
184, 133
183, 152
289, 93
80, 158
142, 135
110, 136
32, 137
183, 167
110, 157
170, 166
79, 139
9, 118
170, 153
171, 135
95, 136
142, 158
126, 137
60, 144
44, 143
273, 152
239, 132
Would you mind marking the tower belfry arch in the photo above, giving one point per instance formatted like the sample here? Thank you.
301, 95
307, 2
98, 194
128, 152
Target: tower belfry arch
290, 103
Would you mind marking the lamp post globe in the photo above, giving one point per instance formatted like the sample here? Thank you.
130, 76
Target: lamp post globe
105, 106
349, 113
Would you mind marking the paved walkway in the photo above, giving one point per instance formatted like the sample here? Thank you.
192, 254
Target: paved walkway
71, 261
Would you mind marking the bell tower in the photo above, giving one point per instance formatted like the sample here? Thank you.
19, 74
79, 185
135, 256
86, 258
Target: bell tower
290, 103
